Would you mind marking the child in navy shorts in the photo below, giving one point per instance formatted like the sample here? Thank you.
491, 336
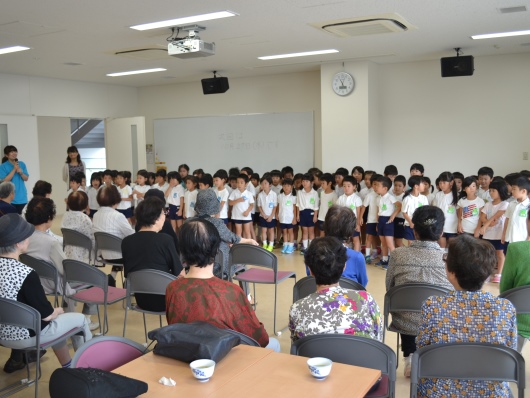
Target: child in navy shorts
307, 203
387, 209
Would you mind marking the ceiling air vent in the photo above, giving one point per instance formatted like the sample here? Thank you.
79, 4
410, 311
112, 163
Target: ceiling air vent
364, 26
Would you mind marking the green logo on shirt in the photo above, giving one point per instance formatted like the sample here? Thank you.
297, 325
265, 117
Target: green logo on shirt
330, 203
288, 203
352, 206
523, 213
475, 212
451, 210
420, 204
312, 201
383, 208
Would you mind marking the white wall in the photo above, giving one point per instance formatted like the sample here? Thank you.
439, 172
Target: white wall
299, 92
460, 123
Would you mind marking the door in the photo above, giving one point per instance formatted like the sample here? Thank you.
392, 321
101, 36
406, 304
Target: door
125, 144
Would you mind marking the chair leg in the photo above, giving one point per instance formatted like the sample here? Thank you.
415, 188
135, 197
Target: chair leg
278, 333
99, 321
160, 317
397, 351
125, 319
145, 328
105, 320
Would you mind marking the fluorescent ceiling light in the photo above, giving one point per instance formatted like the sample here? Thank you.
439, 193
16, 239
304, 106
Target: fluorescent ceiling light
185, 20
13, 49
305, 54
504, 34
136, 72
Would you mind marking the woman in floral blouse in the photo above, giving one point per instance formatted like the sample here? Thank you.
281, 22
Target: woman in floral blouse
332, 309
467, 314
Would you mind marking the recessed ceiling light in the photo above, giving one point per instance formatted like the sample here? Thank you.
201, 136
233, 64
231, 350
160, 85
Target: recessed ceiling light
14, 49
185, 20
304, 54
504, 34
136, 72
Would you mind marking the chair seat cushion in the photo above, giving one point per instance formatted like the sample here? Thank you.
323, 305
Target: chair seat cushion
381, 390
258, 275
95, 295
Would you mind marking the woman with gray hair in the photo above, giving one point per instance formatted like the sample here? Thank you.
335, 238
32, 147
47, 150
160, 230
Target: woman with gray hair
7, 194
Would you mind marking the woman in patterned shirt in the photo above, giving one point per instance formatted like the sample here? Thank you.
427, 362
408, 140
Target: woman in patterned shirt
333, 309
467, 314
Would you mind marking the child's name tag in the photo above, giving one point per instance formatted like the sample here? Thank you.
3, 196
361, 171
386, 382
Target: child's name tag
192, 204
288, 203
330, 203
523, 213
312, 201
244, 197
451, 210
271, 205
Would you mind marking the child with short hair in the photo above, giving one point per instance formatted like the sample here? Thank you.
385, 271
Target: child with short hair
391, 172
287, 172
459, 180
254, 191
416, 169
108, 178
286, 214
339, 177
92, 193
328, 198
242, 202
412, 200
307, 204
267, 202
75, 185
370, 202
429, 190
510, 180
175, 199
190, 197
367, 184
152, 179
485, 175
160, 181
515, 226
492, 220
219, 180
276, 177
206, 181
399, 222
125, 206
469, 207
232, 183
446, 199
141, 187
352, 201
198, 173
387, 209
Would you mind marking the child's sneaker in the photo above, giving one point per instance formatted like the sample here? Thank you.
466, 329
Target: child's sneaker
265, 246
496, 278
384, 265
270, 248
284, 250
302, 251
368, 259
290, 250
408, 365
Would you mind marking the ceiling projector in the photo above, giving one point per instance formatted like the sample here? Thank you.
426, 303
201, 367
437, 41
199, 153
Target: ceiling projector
190, 47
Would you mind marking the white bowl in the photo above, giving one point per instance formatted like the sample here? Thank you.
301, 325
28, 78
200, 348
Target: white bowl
319, 367
202, 369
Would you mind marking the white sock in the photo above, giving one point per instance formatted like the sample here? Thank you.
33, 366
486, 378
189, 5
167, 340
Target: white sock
304, 243
368, 251
264, 243
385, 258
310, 240
291, 244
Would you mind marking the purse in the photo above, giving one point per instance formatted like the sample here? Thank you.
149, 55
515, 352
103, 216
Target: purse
93, 383
188, 342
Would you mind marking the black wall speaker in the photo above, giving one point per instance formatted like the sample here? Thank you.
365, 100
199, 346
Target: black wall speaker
214, 85
457, 66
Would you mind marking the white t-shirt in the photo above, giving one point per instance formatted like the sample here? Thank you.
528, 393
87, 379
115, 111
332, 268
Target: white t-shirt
470, 213
326, 201
239, 208
386, 205
372, 202
142, 189
268, 203
399, 198
222, 196
254, 191
339, 191
174, 196
92, 194
364, 191
80, 189
125, 192
352, 201
444, 202
489, 209
277, 188
307, 200
430, 197
411, 203
286, 205
484, 195
516, 216
162, 188
190, 197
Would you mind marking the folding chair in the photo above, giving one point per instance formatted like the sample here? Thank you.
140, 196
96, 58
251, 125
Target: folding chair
408, 298
105, 241
100, 293
259, 257
45, 270
353, 350
107, 353
148, 281
13, 313
73, 238
467, 361
307, 285
520, 298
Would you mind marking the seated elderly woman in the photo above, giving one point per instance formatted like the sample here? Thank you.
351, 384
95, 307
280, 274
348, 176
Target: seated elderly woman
21, 283
77, 220
467, 314
150, 249
420, 262
333, 309
7, 194
108, 219
200, 296
340, 222
40, 213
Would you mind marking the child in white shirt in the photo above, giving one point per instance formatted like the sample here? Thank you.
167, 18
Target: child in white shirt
351, 200
328, 197
307, 204
387, 210
399, 222
190, 196
370, 202
469, 207
242, 202
75, 185
125, 206
92, 193
219, 180
286, 212
267, 202
446, 199
160, 181
141, 186
411, 201
175, 199
515, 226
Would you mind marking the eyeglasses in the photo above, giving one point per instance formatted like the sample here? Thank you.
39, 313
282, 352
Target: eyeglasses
444, 257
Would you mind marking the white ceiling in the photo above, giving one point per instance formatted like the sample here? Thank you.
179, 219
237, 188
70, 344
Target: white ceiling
89, 32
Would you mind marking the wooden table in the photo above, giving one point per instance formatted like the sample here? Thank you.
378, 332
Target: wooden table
250, 371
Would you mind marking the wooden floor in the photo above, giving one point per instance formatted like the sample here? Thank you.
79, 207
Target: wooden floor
265, 297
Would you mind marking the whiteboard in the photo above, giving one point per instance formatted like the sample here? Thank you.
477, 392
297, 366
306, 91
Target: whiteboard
261, 141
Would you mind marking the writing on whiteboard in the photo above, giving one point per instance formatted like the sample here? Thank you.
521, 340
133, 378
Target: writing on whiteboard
237, 142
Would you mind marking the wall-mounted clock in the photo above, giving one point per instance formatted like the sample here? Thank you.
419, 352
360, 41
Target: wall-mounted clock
343, 83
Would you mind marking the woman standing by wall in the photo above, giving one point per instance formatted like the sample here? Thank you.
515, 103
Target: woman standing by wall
73, 165
16, 172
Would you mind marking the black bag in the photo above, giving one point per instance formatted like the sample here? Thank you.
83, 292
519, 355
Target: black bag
93, 383
188, 342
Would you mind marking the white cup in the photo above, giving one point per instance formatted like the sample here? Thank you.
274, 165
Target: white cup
319, 367
202, 369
